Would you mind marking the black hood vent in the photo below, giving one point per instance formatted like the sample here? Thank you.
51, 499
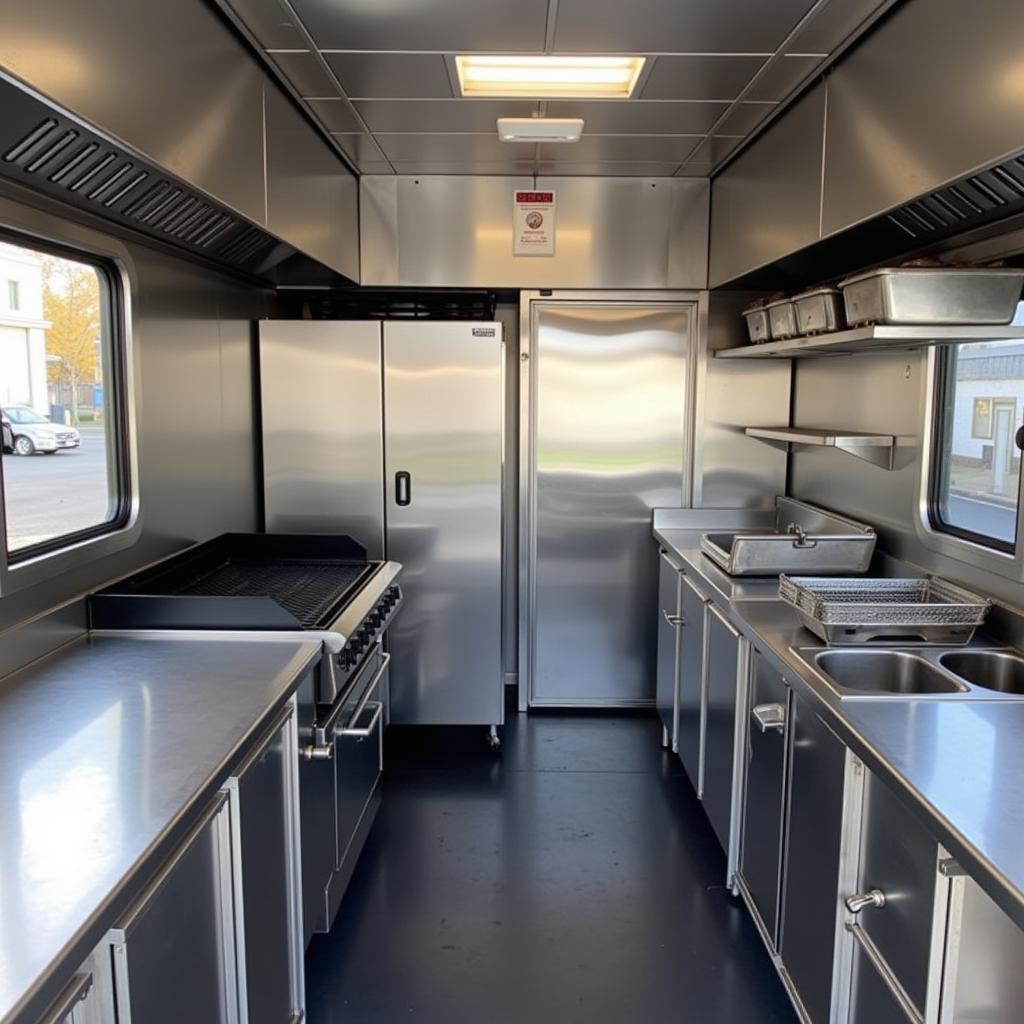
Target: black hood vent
52, 154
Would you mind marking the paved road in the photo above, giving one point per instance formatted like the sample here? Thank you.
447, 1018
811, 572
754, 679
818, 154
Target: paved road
983, 517
49, 495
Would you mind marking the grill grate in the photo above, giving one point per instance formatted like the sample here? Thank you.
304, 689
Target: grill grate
308, 590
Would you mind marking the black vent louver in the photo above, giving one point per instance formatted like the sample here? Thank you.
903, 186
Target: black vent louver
52, 154
918, 227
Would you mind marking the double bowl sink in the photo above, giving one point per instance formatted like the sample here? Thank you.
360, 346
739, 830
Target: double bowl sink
933, 673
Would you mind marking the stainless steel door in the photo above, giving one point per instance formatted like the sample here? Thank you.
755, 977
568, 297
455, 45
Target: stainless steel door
669, 621
720, 686
813, 837
693, 606
608, 401
323, 457
897, 858
761, 857
443, 409
263, 876
173, 952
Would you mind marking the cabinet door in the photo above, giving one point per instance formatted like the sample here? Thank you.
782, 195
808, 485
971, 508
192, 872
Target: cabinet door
693, 607
813, 839
174, 950
668, 647
897, 859
765, 791
720, 684
266, 879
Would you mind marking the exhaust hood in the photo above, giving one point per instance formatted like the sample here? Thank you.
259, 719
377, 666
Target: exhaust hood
50, 152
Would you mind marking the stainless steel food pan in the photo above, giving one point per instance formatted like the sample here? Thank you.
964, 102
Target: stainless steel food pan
917, 295
805, 539
856, 611
782, 320
819, 310
757, 324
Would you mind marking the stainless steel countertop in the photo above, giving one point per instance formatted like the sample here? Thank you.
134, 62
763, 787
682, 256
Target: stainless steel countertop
108, 748
958, 765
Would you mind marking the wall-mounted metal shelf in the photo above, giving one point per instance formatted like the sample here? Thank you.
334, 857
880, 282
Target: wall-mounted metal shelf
878, 449
872, 338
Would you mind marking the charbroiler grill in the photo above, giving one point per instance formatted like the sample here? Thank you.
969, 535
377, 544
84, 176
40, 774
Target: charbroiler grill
321, 584
272, 586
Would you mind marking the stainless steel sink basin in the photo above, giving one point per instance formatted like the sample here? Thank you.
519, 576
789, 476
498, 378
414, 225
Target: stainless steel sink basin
991, 670
885, 673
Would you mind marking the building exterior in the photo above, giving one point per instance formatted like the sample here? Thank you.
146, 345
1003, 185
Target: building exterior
22, 330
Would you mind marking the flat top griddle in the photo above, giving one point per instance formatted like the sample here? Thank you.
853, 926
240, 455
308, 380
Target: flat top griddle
240, 581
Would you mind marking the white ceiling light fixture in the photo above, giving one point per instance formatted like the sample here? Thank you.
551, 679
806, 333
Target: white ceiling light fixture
540, 129
546, 77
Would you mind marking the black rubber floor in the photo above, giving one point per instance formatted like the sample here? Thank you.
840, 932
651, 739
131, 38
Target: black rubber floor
572, 878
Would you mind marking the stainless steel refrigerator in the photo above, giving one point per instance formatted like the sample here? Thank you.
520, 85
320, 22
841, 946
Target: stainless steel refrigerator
393, 432
604, 440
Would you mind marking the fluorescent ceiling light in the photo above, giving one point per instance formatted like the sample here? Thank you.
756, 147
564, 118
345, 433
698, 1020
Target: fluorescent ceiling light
549, 77
540, 129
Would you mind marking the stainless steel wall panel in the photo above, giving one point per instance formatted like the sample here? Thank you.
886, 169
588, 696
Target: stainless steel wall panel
193, 343
444, 422
609, 443
323, 429
312, 198
170, 80
929, 97
732, 470
768, 202
457, 232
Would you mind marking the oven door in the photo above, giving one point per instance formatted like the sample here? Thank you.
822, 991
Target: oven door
358, 735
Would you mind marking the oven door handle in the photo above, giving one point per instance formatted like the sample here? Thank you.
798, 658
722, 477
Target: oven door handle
371, 687
352, 731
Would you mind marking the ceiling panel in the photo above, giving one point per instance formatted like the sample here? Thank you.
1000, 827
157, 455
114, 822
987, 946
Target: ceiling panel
680, 26
361, 150
335, 115
836, 23
267, 21
445, 116
465, 167
609, 169
418, 25
699, 78
636, 117
779, 80
745, 118
401, 75
453, 148
305, 73
713, 150
630, 148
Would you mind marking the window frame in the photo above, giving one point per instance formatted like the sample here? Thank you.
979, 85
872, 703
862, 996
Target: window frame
964, 546
46, 234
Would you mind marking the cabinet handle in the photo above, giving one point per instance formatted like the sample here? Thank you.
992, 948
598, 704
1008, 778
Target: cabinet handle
862, 900
769, 716
673, 620
403, 488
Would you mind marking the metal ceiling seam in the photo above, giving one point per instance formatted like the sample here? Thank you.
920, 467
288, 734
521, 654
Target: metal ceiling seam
780, 53
307, 37
278, 75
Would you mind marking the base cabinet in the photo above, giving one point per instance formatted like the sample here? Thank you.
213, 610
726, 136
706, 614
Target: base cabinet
669, 622
174, 952
764, 808
813, 839
264, 797
693, 607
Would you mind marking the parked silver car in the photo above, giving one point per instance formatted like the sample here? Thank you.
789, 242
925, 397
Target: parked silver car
27, 432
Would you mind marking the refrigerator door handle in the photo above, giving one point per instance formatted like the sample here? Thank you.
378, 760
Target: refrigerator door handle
403, 488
